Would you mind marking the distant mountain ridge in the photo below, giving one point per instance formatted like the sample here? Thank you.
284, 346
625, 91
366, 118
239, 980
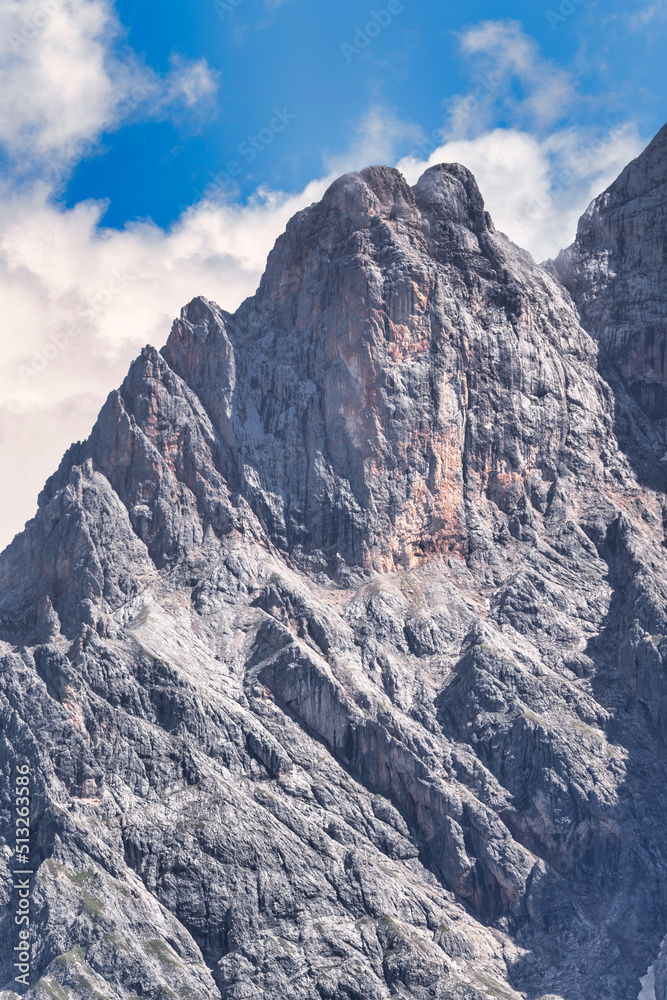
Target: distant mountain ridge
338, 649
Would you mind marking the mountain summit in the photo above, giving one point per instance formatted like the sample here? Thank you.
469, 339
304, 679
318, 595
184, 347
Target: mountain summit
337, 651
616, 271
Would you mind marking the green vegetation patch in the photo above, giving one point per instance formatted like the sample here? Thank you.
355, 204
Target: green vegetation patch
54, 867
81, 878
71, 957
93, 906
493, 987
534, 718
161, 950
53, 988
391, 925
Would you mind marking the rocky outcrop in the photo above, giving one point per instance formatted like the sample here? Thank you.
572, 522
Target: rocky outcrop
337, 651
357, 394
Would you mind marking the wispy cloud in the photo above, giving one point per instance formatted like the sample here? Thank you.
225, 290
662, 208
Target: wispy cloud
648, 15
534, 90
189, 82
226, 9
378, 138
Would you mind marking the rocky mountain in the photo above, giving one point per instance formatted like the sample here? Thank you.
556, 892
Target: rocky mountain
337, 651
616, 272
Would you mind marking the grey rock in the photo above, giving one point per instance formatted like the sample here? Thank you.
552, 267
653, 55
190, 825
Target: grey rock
338, 649
616, 271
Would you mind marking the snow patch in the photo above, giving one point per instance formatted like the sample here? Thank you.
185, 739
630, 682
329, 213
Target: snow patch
648, 981
648, 985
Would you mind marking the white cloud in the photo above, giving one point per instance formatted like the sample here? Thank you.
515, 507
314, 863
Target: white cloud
192, 83
52, 75
79, 301
65, 78
536, 177
501, 56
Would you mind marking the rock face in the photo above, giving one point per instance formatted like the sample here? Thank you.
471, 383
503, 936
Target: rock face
616, 271
337, 651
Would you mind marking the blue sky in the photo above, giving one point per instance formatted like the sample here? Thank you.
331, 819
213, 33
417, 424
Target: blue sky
151, 152
289, 56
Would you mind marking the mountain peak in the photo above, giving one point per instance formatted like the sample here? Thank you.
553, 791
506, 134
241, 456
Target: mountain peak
350, 345
348, 413
616, 271
373, 191
449, 191
639, 179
